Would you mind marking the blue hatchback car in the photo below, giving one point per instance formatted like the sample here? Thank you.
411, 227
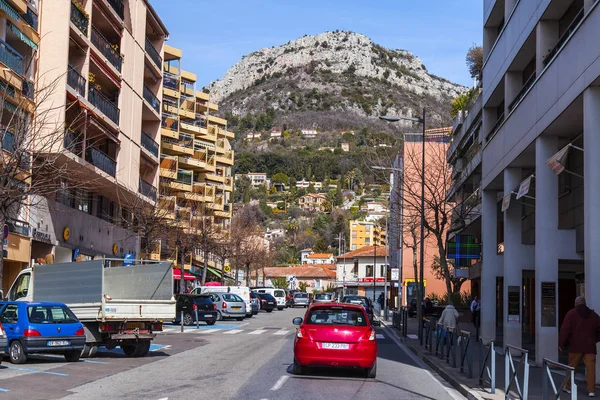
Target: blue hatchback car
45, 327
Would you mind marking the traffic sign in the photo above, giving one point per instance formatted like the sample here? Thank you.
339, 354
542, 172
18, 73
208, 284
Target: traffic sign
227, 268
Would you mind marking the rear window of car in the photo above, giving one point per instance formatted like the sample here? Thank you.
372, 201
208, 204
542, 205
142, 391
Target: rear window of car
50, 315
301, 295
267, 296
203, 300
323, 296
279, 293
354, 300
336, 316
232, 297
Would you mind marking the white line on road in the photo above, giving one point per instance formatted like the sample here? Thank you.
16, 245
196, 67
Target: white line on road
280, 383
257, 332
282, 332
233, 331
411, 336
380, 336
207, 331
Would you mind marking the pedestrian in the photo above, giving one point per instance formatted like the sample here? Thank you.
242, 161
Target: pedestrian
579, 333
381, 300
476, 311
449, 317
428, 307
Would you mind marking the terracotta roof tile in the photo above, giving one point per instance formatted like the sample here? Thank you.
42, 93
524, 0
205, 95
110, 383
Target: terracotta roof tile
366, 251
300, 272
320, 255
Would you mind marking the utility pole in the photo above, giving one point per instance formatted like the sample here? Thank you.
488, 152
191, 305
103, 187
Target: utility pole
374, 266
385, 284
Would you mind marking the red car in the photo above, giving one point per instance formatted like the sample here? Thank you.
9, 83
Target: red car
335, 335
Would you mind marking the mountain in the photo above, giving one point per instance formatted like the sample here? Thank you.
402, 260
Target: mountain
332, 81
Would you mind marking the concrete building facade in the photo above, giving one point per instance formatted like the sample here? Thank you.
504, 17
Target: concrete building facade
366, 233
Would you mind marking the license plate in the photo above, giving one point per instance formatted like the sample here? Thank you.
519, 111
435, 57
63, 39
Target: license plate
236, 308
271, 302
58, 343
133, 325
335, 346
207, 315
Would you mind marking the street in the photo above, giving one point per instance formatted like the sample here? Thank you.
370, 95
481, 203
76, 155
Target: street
230, 360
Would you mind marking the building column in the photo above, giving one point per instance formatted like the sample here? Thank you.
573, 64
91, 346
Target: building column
548, 244
591, 198
513, 275
492, 263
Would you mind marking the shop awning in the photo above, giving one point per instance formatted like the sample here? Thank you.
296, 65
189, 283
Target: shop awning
22, 36
215, 271
186, 275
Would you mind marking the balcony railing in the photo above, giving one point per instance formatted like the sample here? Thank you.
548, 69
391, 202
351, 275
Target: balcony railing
79, 19
149, 144
152, 99
76, 80
496, 126
107, 49
19, 227
170, 122
153, 53
117, 5
522, 92
31, 18
170, 82
147, 189
73, 143
564, 37
11, 58
184, 177
107, 107
8, 9
101, 160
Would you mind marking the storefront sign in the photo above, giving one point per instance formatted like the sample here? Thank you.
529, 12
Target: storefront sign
395, 274
128, 260
514, 304
549, 304
371, 280
66, 233
42, 236
506, 202
524, 187
115, 249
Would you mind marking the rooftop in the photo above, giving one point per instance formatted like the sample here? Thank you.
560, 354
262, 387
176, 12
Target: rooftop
320, 255
300, 272
367, 251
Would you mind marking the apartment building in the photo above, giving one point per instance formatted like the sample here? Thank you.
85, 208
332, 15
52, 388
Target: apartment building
99, 69
363, 272
196, 158
540, 112
366, 233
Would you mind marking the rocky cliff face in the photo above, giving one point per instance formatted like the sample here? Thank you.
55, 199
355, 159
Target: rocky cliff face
333, 80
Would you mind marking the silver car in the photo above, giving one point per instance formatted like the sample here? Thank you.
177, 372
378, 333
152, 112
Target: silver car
229, 305
323, 298
300, 300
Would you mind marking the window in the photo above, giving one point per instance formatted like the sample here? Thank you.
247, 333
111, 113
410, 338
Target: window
51, 315
336, 316
279, 293
369, 271
10, 314
382, 270
232, 297
20, 288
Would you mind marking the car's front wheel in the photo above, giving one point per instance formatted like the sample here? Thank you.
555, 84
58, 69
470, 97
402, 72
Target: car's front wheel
297, 368
372, 372
280, 308
240, 319
72, 356
17, 354
188, 319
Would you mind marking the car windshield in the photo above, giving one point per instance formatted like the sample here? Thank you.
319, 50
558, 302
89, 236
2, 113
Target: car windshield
301, 295
336, 316
279, 293
51, 315
323, 296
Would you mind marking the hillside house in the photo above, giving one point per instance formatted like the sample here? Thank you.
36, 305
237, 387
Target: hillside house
312, 202
309, 133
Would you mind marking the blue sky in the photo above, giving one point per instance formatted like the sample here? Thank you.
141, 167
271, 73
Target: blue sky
215, 34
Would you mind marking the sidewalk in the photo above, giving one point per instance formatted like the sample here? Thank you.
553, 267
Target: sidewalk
471, 388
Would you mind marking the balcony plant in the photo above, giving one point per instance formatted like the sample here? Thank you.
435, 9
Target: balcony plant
92, 80
80, 7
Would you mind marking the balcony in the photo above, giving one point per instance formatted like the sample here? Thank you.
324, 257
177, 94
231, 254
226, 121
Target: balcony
101, 160
564, 37
522, 92
28, 89
117, 5
107, 49
8, 141
147, 189
153, 53
102, 103
73, 143
76, 80
31, 18
11, 58
79, 19
19, 227
149, 144
497, 126
184, 177
170, 122
151, 99
9, 10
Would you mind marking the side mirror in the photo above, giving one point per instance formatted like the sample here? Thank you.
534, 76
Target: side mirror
297, 321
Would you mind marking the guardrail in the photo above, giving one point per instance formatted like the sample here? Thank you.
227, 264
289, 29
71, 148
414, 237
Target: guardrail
548, 379
439, 340
466, 353
428, 331
512, 370
451, 344
487, 364
400, 320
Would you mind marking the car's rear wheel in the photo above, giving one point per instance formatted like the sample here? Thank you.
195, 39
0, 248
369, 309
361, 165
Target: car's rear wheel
188, 319
372, 372
89, 351
239, 319
280, 308
143, 348
297, 368
249, 315
219, 316
17, 354
72, 356
271, 310
129, 349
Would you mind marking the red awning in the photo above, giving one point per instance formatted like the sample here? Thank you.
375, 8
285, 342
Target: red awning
186, 275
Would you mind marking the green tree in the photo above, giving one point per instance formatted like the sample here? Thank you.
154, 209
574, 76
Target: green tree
311, 189
302, 286
280, 178
280, 282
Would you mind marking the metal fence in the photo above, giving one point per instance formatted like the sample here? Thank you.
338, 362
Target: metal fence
487, 364
516, 363
548, 380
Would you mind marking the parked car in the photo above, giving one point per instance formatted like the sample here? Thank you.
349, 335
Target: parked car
189, 303
335, 335
300, 300
44, 327
3, 343
278, 294
229, 305
242, 291
323, 298
267, 302
363, 301
255, 303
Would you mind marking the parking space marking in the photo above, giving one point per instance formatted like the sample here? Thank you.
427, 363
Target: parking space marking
207, 331
257, 332
4, 390
36, 371
280, 382
282, 332
157, 347
380, 336
233, 331
93, 361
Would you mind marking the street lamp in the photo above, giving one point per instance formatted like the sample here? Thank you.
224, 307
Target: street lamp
421, 287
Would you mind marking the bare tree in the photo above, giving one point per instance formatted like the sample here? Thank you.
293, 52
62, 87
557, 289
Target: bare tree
411, 239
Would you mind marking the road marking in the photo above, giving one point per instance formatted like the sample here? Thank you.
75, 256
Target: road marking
380, 336
94, 362
411, 336
207, 331
257, 332
282, 332
36, 371
233, 331
280, 382
4, 390
157, 347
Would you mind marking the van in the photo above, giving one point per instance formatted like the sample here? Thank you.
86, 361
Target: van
279, 295
242, 291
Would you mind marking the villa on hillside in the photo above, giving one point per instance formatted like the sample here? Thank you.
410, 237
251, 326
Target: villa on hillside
253, 135
310, 133
312, 202
320, 258
275, 135
304, 184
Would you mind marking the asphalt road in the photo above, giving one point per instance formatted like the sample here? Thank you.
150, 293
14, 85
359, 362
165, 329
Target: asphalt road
230, 360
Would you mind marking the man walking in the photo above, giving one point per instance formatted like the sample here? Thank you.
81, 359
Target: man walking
476, 310
579, 333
